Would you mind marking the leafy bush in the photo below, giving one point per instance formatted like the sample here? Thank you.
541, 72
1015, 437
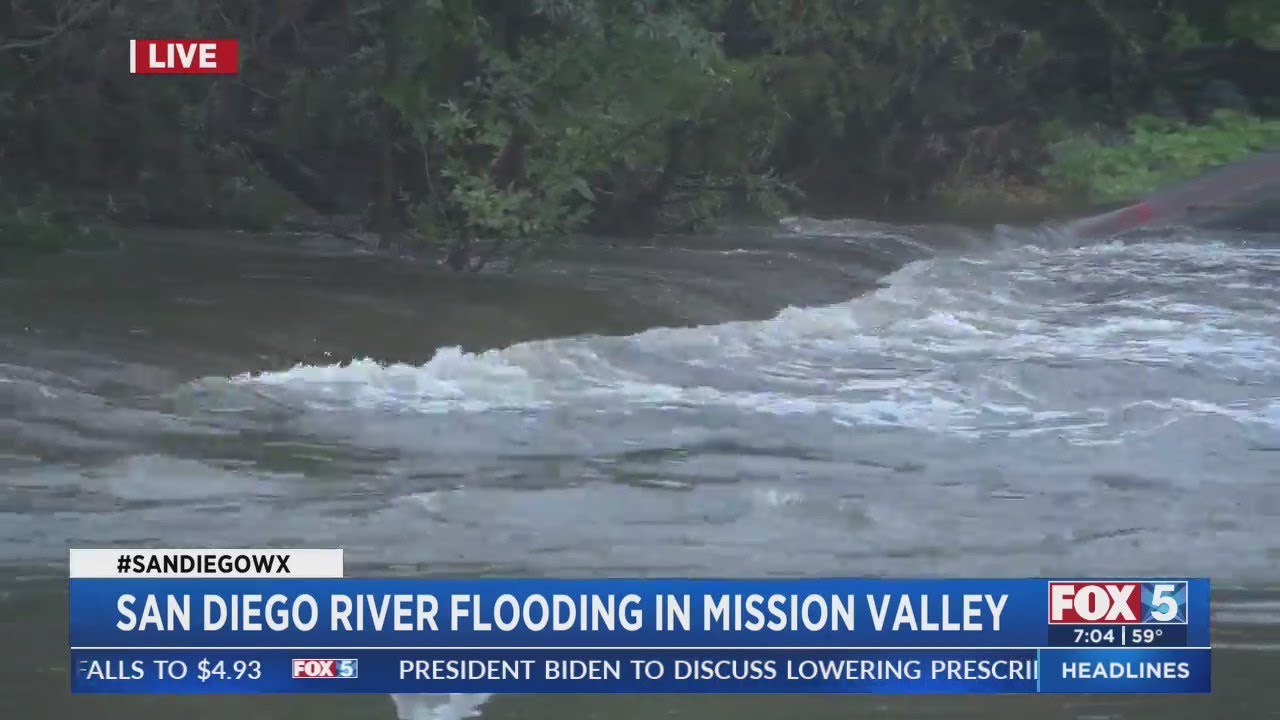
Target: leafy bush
486, 128
1156, 152
40, 225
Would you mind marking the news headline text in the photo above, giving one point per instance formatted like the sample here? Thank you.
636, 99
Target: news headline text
557, 612
832, 612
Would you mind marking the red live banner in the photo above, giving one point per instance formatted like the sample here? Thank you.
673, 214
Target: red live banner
184, 57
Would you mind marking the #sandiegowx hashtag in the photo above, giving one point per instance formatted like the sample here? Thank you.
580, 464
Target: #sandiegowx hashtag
204, 563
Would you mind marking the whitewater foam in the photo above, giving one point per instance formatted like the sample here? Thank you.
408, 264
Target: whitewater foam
458, 706
903, 355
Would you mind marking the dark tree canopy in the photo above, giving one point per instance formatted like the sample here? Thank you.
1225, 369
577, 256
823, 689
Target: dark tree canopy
483, 127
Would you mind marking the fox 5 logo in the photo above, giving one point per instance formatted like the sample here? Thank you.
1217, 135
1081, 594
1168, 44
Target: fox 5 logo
1117, 603
312, 669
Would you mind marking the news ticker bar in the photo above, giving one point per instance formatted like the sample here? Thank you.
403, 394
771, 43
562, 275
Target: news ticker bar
642, 671
194, 621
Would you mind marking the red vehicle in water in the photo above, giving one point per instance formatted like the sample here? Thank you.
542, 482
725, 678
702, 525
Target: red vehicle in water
1223, 193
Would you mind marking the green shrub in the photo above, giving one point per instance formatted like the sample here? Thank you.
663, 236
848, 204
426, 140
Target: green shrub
38, 224
1156, 152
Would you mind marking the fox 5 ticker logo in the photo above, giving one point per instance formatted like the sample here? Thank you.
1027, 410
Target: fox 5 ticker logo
1118, 603
326, 669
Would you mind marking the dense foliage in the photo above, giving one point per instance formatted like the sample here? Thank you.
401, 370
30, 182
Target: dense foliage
1158, 152
484, 127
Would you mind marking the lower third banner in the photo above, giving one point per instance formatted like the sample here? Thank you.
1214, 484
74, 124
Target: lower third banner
628, 670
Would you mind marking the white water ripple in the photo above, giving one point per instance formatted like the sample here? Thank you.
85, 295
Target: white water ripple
947, 345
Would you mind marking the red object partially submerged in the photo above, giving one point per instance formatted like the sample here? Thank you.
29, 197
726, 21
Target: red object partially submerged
1221, 191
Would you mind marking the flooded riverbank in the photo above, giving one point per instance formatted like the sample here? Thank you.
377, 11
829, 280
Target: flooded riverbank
825, 398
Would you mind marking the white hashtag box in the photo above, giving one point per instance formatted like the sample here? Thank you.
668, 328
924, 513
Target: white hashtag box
204, 563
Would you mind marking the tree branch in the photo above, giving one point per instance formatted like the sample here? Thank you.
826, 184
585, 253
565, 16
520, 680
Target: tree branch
76, 17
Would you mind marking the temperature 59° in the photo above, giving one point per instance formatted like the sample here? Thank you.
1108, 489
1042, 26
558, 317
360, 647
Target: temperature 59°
1145, 635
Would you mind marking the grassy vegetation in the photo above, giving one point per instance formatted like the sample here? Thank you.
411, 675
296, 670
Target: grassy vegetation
41, 223
1155, 152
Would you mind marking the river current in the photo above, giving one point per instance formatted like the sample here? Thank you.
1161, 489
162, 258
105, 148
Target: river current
826, 398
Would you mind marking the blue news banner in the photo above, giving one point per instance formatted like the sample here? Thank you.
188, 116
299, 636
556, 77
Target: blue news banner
245, 636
